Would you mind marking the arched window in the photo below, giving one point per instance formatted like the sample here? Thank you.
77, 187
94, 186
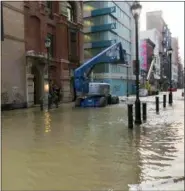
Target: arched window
70, 11
49, 5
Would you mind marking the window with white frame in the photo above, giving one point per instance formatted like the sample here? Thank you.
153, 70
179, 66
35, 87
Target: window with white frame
70, 11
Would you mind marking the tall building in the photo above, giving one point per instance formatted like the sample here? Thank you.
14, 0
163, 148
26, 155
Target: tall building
146, 57
155, 20
180, 76
175, 56
105, 23
154, 36
24, 55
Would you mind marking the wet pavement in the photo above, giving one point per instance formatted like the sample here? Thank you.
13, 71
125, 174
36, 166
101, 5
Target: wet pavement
92, 149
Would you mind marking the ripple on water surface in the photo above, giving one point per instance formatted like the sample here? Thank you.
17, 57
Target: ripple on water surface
86, 149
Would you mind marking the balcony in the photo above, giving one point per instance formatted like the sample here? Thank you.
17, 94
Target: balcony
104, 43
105, 27
103, 11
87, 29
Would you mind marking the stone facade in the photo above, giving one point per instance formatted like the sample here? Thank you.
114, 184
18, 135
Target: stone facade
23, 48
175, 55
13, 87
180, 75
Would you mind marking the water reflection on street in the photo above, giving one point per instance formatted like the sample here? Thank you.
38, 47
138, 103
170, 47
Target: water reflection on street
82, 149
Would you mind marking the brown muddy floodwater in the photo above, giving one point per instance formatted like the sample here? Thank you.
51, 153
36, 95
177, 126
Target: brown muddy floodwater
92, 149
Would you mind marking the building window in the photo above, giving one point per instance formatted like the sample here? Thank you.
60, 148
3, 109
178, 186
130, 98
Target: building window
70, 11
73, 43
88, 7
49, 6
73, 36
51, 49
167, 33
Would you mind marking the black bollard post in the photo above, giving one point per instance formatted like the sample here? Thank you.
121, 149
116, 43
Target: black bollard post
130, 116
164, 101
144, 112
157, 104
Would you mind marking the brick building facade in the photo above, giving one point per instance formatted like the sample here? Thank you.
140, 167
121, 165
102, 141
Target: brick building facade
153, 35
60, 21
147, 55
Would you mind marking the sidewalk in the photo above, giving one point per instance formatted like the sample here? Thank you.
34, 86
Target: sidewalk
132, 98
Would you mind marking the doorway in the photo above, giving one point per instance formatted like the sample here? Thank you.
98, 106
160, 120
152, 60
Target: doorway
72, 85
37, 85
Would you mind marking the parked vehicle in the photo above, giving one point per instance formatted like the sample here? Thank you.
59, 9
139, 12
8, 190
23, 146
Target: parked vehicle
97, 94
172, 89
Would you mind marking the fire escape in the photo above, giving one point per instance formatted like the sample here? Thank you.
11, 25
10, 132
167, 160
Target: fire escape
164, 60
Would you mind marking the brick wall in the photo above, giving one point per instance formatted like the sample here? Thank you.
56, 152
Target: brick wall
26, 25
38, 24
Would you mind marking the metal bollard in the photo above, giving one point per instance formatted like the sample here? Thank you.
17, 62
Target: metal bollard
130, 116
170, 98
164, 101
144, 112
157, 104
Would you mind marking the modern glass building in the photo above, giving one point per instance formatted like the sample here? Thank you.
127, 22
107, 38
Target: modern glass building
105, 23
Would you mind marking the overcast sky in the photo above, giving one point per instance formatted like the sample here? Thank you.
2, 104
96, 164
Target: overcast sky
173, 14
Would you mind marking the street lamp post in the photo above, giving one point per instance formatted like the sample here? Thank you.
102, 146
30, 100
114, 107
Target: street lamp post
127, 83
183, 78
136, 10
169, 52
47, 45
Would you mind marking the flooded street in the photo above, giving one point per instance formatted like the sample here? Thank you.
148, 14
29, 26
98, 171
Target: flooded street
92, 149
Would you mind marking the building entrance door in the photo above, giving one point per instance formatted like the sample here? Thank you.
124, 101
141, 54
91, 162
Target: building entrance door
72, 87
37, 85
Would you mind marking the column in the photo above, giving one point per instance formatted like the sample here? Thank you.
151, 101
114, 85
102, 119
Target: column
29, 82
